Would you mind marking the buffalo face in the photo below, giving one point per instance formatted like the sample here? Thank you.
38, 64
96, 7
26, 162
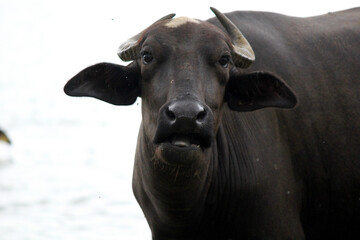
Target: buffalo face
182, 87
184, 70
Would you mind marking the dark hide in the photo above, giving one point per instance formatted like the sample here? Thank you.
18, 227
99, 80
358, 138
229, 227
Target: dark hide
218, 169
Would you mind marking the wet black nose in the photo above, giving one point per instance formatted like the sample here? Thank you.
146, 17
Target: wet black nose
185, 122
187, 114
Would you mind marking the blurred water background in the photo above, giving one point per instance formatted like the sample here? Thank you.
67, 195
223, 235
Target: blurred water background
72, 158
70, 175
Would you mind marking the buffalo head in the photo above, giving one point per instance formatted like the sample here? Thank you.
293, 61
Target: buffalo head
184, 70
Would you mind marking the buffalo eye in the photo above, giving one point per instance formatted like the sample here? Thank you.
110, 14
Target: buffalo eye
224, 61
147, 57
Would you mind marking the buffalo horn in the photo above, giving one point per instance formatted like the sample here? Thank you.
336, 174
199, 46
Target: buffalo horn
243, 54
128, 51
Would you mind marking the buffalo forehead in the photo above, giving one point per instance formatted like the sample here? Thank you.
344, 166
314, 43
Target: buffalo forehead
187, 32
177, 22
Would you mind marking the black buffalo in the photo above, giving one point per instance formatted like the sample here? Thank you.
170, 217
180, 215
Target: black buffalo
207, 165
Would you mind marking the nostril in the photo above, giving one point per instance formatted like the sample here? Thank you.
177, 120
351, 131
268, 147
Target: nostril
201, 115
170, 114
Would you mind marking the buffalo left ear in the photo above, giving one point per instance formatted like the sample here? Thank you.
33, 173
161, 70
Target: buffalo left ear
251, 91
108, 82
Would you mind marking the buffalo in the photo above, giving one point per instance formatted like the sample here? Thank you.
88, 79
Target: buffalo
236, 148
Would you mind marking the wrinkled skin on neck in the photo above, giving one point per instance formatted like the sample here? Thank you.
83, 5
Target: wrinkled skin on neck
171, 196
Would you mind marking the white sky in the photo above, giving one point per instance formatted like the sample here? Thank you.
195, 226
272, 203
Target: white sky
50, 41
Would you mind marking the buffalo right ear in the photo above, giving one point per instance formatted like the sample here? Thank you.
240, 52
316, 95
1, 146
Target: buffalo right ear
115, 84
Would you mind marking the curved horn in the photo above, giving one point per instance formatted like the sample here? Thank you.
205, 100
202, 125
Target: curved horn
128, 51
243, 54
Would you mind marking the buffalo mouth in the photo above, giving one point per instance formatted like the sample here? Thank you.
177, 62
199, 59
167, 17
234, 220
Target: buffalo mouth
185, 141
181, 149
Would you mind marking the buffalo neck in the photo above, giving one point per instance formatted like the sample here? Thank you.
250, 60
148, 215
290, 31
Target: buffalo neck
174, 195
